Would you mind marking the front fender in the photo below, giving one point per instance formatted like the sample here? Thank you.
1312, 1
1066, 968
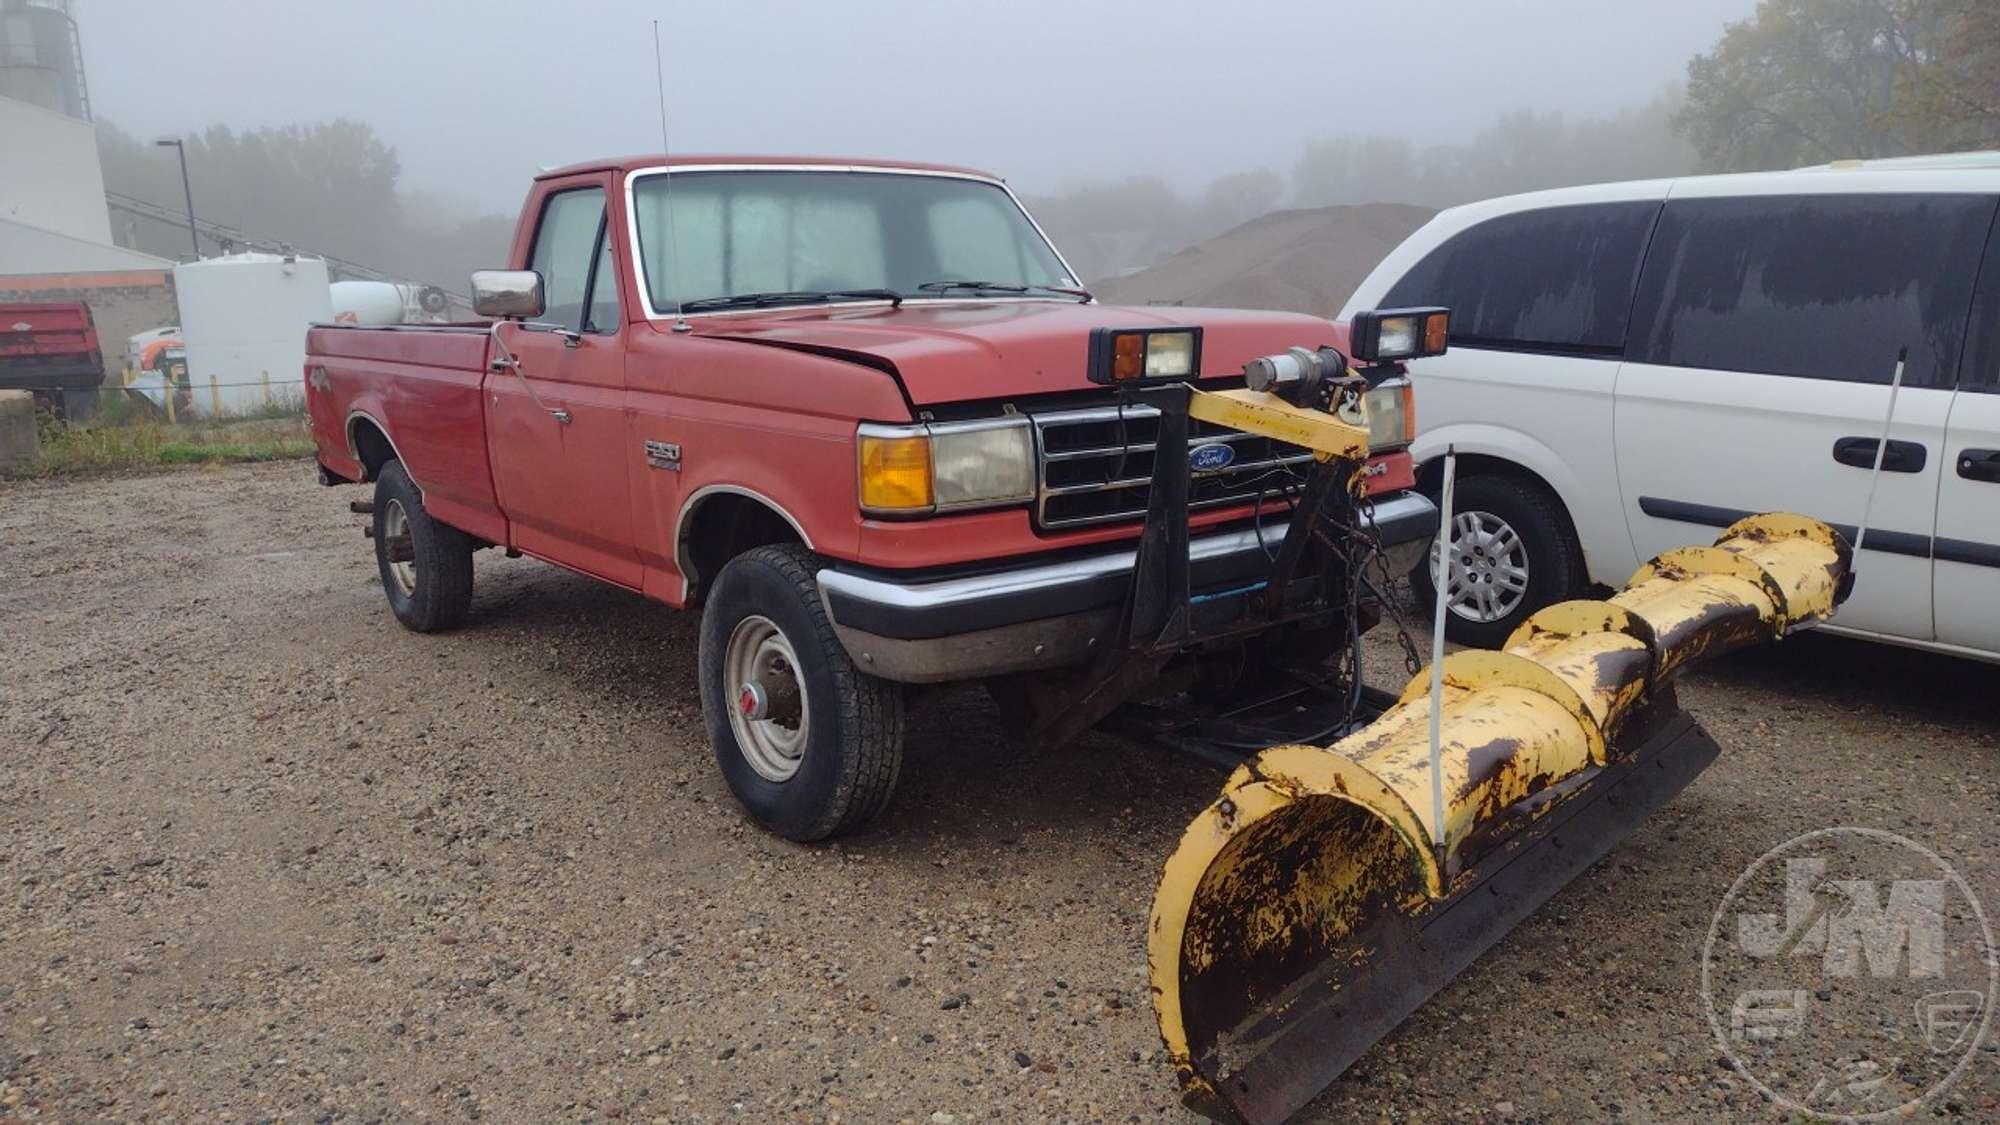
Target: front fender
1595, 511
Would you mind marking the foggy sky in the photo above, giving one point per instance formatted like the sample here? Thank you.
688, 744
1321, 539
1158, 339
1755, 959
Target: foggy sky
474, 96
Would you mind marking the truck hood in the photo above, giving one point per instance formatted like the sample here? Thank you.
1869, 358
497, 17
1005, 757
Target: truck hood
955, 351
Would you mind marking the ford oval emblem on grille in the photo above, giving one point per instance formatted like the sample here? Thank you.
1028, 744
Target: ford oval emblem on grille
1208, 458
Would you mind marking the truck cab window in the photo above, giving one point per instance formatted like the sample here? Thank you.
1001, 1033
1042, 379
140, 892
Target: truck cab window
604, 312
565, 244
793, 233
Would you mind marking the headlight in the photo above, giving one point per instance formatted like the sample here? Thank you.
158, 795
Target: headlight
1392, 415
917, 470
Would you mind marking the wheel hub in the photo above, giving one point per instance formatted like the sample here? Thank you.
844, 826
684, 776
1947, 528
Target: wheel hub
769, 716
1487, 572
398, 547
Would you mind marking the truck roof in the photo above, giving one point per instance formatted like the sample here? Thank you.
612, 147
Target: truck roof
683, 160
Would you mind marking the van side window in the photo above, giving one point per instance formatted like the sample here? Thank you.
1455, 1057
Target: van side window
1821, 286
1555, 280
1981, 371
566, 242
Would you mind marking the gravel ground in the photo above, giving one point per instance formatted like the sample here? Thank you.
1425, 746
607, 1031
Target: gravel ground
265, 855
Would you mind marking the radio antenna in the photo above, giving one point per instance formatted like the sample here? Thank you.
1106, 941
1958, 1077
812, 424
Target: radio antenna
667, 179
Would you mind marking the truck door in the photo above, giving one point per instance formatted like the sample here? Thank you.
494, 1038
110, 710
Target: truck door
556, 434
1764, 338
1966, 562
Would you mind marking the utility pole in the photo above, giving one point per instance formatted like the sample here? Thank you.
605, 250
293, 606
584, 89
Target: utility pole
187, 192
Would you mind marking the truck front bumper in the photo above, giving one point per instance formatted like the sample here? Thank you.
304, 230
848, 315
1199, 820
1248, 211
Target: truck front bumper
1049, 614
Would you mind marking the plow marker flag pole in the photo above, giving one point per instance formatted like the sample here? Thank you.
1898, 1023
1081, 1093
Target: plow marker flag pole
1441, 581
1881, 450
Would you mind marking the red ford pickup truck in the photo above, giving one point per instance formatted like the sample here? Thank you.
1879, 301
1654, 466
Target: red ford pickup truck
839, 406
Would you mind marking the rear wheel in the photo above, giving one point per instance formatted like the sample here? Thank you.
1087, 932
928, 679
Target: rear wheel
1512, 552
810, 745
426, 566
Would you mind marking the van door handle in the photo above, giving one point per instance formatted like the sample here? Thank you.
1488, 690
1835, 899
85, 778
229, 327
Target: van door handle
1902, 456
1980, 464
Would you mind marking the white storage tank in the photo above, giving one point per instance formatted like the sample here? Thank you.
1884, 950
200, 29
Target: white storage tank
244, 319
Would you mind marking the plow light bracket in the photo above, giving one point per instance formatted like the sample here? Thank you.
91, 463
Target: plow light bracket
1121, 357
1394, 335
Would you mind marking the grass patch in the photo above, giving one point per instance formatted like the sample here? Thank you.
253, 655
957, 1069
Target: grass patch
196, 453
146, 444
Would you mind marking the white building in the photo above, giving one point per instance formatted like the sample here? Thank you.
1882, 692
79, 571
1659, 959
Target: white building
52, 213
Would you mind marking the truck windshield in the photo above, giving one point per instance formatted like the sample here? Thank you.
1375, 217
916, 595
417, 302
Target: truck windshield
797, 234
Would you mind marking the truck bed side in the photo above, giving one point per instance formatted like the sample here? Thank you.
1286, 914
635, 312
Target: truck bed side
420, 387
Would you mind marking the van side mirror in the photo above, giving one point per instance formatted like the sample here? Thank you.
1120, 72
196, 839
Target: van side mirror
507, 293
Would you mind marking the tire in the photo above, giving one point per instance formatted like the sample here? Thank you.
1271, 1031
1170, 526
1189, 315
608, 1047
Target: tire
1512, 525
431, 590
834, 769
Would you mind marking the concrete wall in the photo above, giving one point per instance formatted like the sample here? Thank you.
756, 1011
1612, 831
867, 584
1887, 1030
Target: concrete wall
50, 176
123, 303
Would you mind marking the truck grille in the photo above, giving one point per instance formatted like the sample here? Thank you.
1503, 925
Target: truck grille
1097, 465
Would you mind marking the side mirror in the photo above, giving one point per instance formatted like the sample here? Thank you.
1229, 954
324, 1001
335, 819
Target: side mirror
507, 293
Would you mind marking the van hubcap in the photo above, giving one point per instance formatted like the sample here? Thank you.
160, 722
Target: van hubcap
767, 704
1487, 575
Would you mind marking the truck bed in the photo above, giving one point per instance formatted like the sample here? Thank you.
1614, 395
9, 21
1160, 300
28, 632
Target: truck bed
419, 386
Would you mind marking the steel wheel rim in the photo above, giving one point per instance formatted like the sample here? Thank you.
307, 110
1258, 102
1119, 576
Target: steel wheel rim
396, 541
766, 698
1488, 573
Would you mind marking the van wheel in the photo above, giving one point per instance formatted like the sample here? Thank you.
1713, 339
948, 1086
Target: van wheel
1512, 553
426, 566
809, 744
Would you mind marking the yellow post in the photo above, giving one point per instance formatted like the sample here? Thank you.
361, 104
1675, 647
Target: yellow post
214, 398
171, 389
265, 378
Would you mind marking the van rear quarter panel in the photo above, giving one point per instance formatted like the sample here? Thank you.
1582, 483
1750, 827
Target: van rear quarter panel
422, 386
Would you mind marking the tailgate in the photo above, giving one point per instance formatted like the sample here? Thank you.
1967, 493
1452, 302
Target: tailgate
46, 330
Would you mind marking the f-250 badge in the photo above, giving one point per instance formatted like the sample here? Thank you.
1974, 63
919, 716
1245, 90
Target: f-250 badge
664, 455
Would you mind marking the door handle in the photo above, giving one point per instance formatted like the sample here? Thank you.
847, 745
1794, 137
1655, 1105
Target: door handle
560, 415
1980, 464
1901, 457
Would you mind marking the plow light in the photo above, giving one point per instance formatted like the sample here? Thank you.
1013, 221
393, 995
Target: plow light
1120, 356
1393, 335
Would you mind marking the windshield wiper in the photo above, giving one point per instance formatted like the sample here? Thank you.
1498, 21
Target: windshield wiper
1003, 287
789, 297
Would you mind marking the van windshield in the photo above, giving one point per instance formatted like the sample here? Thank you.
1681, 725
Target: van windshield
792, 235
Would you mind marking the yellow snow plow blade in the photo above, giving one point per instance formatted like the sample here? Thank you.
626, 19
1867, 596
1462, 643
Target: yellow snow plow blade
1322, 898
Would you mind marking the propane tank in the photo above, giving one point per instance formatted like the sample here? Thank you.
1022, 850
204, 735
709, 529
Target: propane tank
367, 302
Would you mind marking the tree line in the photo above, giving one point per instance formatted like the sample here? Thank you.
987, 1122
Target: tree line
1800, 82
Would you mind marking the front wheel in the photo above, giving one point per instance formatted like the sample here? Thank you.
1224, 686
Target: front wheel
1512, 552
809, 744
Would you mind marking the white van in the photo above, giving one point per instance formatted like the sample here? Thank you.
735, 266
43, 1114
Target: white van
1635, 364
